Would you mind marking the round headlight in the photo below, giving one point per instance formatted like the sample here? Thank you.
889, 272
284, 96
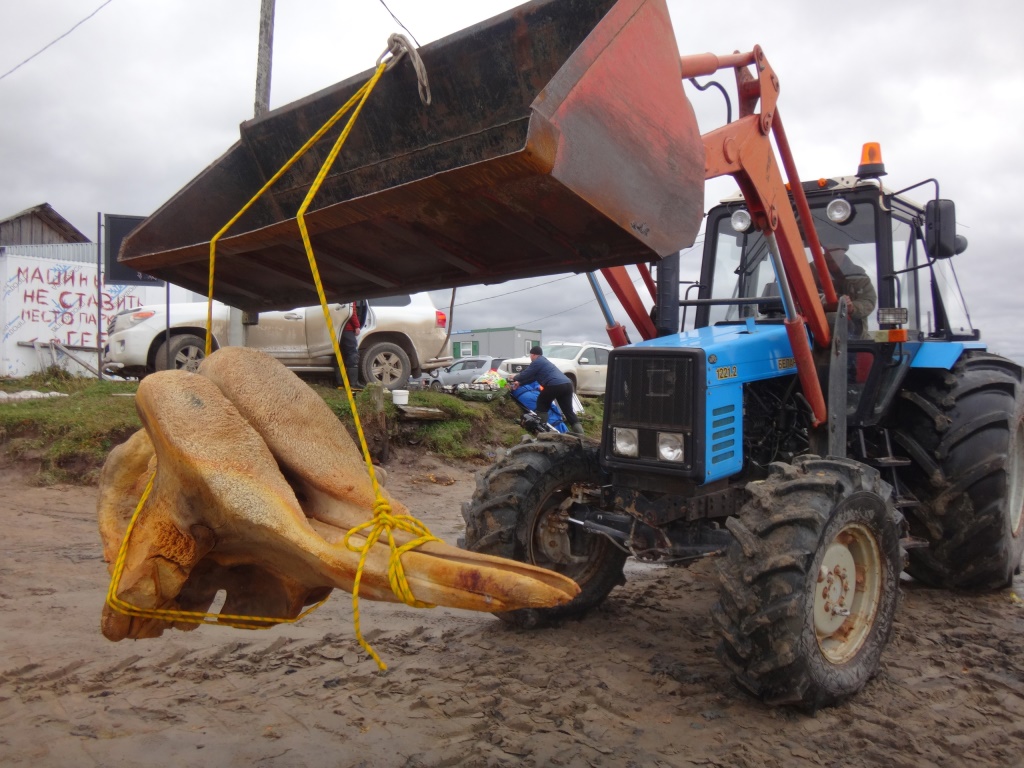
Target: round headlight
626, 442
740, 220
670, 446
839, 211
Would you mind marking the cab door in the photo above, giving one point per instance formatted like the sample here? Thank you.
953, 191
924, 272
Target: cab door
592, 370
320, 346
280, 334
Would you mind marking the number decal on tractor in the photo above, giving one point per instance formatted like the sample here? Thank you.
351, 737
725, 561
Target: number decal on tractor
727, 372
786, 363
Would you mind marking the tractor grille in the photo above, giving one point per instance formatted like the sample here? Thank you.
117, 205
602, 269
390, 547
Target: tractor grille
652, 391
655, 391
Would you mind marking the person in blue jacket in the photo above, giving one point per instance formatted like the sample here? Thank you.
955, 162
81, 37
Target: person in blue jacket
557, 387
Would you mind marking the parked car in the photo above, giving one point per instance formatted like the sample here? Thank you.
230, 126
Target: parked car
585, 363
463, 371
403, 336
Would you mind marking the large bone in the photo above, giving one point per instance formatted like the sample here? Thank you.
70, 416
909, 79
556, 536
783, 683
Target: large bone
329, 473
221, 514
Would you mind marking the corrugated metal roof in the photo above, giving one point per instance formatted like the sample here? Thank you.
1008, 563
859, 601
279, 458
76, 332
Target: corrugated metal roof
77, 252
56, 222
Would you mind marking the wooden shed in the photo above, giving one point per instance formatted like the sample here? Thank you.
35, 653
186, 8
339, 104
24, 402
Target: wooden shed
40, 225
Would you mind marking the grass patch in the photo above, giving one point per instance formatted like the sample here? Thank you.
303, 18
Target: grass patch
69, 437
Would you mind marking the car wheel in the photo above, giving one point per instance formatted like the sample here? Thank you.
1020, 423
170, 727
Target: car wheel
386, 364
186, 353
437, 386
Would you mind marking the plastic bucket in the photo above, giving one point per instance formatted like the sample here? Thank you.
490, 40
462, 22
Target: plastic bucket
400, 396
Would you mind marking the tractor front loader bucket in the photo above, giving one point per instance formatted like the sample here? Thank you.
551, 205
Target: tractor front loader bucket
559, 139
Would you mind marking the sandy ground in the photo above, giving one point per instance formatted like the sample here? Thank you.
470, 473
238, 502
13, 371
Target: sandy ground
634, 684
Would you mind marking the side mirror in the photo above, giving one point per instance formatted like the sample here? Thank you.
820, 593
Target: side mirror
584, 361
940, 229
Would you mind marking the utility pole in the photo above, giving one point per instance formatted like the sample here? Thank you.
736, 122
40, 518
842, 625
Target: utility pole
239, 321
264, 58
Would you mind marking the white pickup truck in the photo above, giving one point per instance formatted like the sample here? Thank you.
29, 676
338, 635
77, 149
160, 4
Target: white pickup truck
585, 363
403, 336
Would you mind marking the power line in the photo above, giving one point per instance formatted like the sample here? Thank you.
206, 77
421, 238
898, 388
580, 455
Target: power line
518, 290
401, 24
80, 23
570, 309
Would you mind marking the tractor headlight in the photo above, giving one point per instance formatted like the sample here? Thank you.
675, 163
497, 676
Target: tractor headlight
670, 446
626, 442
839, 211
740, 220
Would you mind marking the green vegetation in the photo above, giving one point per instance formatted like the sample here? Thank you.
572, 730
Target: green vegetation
68, 438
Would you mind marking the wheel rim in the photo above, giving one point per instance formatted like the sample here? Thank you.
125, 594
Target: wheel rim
847, 593
561, 546
1016, 481
386, 368
188, 358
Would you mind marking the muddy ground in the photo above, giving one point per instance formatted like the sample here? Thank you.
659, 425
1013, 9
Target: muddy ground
634, 684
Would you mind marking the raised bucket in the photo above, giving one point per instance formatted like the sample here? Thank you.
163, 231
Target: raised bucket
559, 139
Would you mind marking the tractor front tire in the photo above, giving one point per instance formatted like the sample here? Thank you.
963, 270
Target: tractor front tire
809, 586
964, 432
520, 511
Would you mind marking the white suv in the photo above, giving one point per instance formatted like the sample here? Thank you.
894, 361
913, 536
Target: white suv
403, 336
585, 363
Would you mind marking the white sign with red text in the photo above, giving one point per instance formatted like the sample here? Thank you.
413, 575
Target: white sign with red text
43, 300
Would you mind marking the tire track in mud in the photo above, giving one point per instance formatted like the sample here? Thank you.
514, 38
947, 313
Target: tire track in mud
634, 683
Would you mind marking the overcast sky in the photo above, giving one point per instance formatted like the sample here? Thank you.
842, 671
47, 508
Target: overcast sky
127, 108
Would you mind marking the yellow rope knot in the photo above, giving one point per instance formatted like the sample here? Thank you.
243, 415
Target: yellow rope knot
385, 522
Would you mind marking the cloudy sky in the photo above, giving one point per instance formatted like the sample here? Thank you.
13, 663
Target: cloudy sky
127, 108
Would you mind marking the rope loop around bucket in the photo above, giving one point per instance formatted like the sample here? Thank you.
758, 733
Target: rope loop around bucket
399, 46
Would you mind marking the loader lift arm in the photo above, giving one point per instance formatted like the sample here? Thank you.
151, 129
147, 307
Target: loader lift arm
742, 149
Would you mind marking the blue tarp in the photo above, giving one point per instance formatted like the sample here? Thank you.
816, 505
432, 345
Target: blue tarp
526, 395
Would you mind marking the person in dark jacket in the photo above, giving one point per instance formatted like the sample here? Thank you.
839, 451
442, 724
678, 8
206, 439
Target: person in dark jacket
556, 387
350, 346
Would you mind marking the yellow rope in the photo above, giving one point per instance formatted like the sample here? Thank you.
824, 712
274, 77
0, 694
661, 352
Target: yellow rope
358, 96
383, 520
191, 617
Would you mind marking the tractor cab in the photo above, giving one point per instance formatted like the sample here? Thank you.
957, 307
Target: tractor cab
886, 253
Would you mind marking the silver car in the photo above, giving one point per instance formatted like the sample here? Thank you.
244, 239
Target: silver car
463, 371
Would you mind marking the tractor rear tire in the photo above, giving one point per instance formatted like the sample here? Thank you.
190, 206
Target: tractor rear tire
515, 513
809, 586
964, 431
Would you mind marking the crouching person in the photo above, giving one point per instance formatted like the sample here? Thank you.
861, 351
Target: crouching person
557, 388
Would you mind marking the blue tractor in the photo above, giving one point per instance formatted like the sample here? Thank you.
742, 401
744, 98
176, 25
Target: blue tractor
831, 420
710, 447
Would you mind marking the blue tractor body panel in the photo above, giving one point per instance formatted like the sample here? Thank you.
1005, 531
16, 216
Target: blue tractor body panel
734, 355
938, 354
726, 357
